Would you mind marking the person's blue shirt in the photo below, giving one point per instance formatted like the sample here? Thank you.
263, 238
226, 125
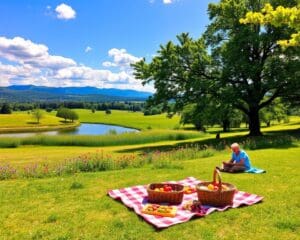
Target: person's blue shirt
242, 155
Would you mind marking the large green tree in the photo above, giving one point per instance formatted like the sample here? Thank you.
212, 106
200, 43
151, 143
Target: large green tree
244, 68
255, 69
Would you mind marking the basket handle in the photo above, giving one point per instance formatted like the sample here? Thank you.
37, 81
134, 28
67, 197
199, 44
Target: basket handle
217, 172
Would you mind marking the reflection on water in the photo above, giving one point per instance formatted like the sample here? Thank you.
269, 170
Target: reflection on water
83, 129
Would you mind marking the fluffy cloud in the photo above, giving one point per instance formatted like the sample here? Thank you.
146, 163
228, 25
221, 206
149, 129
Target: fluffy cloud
27, 62
65, 11
120, 58
24, 51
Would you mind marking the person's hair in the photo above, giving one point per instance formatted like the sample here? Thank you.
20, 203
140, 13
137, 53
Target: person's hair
235, 145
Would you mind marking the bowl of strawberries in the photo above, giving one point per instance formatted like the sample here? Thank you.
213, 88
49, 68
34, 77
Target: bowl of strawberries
165, 193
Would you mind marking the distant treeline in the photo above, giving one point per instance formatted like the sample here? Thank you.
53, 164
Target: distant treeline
49, 106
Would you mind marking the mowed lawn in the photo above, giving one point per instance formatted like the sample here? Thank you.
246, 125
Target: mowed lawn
129, 119
52, 209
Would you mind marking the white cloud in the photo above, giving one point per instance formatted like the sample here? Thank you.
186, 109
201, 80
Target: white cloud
24, 51
120, 58
65, 11
88, 49
27, 62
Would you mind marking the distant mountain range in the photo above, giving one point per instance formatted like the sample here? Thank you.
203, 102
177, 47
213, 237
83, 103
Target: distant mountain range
21, 93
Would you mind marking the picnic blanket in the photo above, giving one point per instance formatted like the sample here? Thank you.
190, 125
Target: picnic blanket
255, 170
136, 197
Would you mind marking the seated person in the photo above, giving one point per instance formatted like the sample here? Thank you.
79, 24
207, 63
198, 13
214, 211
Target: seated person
239, 161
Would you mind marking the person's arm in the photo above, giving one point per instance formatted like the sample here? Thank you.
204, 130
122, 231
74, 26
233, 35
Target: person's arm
240, 163
230, 162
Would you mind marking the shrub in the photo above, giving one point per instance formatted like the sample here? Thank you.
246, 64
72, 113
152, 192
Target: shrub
5, 109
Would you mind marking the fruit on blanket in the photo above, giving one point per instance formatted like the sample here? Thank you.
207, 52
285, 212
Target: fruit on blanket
193, 206
210, 187
189, 189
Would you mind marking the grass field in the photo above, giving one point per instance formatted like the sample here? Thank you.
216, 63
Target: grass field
129, 119
75, 206
23, 122
53, 208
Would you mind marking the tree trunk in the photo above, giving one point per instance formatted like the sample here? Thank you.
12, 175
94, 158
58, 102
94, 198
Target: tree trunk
254, 123
226, 125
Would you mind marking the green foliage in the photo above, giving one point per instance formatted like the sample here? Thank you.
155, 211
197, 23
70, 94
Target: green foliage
263, 71
278, 17
5, 109
208, 113
276, 111
191, 114
67, 114
107, 111
243, 69
37, 114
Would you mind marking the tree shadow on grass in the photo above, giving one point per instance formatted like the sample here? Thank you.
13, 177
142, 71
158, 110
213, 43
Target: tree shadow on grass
32, 123
274, 139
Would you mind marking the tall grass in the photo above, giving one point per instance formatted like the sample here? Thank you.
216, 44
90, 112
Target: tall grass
101, 161
103, 140
8, 142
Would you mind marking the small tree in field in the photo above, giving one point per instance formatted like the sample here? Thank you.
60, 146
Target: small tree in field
37, 115
62, 113
67, 114
73, 115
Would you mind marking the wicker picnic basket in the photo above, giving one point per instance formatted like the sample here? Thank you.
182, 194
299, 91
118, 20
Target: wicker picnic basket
217, 198
174, 197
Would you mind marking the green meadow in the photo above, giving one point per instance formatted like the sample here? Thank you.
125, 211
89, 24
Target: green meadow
24, 122
69, 200
130, 119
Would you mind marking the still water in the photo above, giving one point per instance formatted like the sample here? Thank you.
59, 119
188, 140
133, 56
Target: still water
83, 129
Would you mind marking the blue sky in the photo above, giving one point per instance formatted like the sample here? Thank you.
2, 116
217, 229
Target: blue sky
89, 43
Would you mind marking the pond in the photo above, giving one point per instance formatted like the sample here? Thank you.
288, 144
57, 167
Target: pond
83, 129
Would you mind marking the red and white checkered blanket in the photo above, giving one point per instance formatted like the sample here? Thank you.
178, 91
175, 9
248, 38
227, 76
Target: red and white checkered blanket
136, 197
